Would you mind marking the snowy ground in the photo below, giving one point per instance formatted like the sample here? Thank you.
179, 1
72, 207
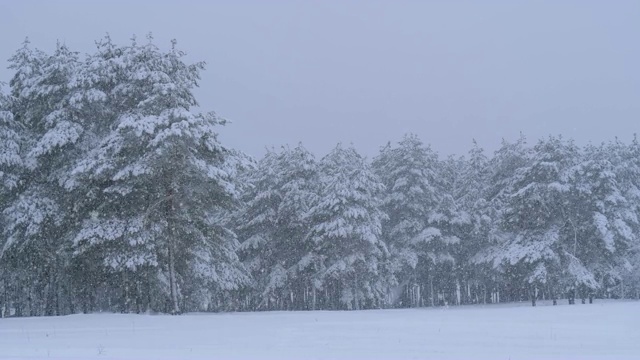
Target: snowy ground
604, 330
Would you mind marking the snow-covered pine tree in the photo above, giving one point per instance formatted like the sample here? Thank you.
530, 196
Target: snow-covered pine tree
508, 161
26, 63
346, 232
470, 221
273, 227
257, 228
11, 141
39, 218
602, 217
535, 219
628, 170
298, 186
409, 173
10, 168
505, 164
161, 228
453, 222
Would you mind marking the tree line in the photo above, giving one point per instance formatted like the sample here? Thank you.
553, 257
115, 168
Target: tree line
117, 195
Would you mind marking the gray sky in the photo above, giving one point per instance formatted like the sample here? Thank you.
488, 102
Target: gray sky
366, 72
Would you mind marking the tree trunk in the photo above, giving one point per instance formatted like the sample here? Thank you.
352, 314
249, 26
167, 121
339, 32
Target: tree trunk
412, 299
125, 293
51, 292
534, 295
477, 292
313, 298
175, 308
4, 300
572, 298
484, 294
356, 297
431, 288
18, 306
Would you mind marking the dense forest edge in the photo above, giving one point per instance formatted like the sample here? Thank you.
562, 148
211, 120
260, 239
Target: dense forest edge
116, 195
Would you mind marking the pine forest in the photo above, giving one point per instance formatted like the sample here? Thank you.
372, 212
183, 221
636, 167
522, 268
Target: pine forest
117, 195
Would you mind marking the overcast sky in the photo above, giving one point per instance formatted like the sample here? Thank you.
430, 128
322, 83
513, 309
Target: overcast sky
366, 72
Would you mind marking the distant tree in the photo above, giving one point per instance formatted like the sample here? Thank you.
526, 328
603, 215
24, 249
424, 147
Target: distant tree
416, 232
471, 221
602, 217
408, 172
346, 229
507, 162
536, 219
628, 170
273, 226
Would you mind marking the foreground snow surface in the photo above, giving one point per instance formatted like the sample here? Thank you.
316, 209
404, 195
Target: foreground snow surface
605, 330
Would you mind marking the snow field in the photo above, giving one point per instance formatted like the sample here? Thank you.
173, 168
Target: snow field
604, 330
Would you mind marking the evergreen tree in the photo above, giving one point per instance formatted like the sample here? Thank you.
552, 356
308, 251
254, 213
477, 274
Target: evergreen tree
39, 218
273, 227
508, 161
257, 223
10, 168
628, 170
470, 221
346, 233
162, 224
602, 217
11, 141
452, 222
409, 173
534, 218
